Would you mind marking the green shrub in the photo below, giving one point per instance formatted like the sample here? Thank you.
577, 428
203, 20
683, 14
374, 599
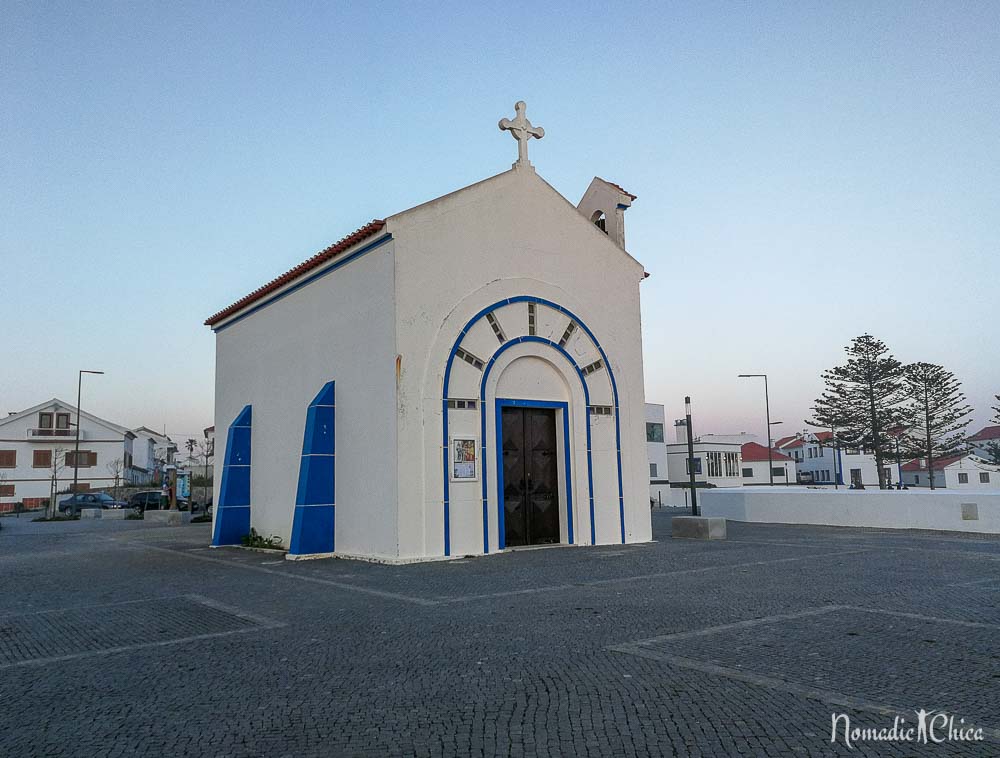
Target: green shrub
255, 539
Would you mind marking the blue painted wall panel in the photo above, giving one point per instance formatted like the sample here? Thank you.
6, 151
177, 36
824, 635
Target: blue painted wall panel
314, 521
232, 507
312, 531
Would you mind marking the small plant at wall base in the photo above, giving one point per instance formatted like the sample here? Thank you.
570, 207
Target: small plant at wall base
255, 539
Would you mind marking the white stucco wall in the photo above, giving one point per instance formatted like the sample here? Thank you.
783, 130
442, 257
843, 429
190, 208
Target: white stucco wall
760, 473
907, 509
339, 327
508, 236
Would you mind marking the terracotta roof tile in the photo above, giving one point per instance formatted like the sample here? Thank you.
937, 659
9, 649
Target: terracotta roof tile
753, 452
918, 464
368, 230
619, 188
985, 434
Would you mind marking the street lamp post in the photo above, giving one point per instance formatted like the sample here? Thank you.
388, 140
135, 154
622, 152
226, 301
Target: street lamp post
690, 441
767, 413
76, 447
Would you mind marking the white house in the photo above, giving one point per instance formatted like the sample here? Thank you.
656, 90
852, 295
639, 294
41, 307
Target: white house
163, 450
656, 453
819, 461
481, 359
37, 452
754, 466
716, 464
956, 472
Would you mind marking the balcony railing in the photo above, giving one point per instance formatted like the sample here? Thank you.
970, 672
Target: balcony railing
50, 434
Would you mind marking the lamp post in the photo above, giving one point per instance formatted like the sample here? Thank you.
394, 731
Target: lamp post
767, 413
690, 435
76, 447
836, 459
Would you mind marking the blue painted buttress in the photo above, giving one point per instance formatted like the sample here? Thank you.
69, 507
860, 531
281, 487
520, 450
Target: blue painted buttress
313, 525
232, 511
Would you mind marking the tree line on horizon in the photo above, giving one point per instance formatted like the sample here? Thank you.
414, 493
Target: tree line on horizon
876, 402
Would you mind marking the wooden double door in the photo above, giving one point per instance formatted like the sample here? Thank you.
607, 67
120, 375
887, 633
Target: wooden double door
530, 476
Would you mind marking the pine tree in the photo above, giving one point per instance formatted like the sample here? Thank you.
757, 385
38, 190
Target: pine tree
935, 412
862, 397
993, 448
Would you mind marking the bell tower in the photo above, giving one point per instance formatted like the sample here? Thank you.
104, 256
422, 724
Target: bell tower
604, 204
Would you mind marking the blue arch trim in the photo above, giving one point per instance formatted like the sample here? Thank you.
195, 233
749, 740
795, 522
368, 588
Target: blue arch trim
502, 403
232, 511
444, 407
315, 502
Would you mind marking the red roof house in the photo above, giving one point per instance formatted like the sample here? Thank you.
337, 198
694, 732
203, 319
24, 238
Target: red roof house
753, 452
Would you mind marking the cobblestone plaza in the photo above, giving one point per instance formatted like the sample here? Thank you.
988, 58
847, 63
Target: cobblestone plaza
121, 639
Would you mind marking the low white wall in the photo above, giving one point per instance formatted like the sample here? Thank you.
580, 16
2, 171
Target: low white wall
885, 509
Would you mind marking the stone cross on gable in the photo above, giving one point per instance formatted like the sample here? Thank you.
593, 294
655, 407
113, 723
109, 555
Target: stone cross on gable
521, 130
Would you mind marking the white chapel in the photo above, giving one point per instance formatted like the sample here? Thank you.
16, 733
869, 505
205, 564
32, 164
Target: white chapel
461, 378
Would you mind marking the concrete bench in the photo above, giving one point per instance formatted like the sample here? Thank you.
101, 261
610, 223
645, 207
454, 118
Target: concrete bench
90, 513
115, 514
166, 518
698, 528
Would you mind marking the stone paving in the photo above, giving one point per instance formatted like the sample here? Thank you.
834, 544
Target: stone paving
118, 638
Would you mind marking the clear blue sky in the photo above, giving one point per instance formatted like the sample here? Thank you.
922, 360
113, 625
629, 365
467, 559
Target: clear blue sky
805, 172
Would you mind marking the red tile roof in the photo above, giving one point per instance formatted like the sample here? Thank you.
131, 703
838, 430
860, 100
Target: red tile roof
368, 230
793, 443
619, 188
824, 436
918, 464
985, 434
784, 440
752, 452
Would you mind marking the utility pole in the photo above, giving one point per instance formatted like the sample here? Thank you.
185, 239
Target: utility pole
76, 448
690, 436
767, 414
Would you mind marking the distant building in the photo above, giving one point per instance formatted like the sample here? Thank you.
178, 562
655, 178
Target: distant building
957, 472
656, 451
753, 468
819, 461
37, 446
716, 464
153, 451
984, 439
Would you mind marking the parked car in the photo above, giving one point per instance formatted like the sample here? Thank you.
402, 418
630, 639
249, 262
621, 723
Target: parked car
155, 500
74, 503
143, 501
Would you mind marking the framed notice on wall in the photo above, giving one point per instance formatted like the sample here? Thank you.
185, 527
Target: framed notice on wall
464, 459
